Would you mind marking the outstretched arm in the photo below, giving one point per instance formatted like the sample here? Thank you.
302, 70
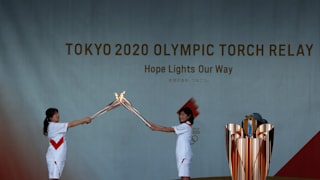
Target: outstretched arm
86, 120
155, 127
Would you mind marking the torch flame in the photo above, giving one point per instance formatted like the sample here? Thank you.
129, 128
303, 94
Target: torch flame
122, 96
116, 95
119, 97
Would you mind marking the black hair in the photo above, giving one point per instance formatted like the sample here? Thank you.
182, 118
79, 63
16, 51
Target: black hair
49, 113
189, 112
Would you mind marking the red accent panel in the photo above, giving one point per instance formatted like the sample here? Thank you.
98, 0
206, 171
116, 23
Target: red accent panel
305, 164
57, 145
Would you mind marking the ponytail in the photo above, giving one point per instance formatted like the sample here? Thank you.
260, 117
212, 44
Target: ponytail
45, 126
49, 113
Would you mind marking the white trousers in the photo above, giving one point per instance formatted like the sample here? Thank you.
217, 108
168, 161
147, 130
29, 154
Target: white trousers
55, 169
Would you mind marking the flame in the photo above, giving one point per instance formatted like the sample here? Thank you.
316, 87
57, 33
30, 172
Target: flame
119, 97
116, 95
122, 96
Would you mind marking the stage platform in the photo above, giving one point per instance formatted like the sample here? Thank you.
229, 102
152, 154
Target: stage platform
269, 178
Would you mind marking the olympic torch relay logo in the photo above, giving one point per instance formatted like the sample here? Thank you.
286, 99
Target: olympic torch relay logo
195, 135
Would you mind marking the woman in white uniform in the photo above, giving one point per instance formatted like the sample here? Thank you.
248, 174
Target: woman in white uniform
183, 146
56, 132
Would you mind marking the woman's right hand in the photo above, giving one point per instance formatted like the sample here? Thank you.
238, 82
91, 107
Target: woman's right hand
87, 120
